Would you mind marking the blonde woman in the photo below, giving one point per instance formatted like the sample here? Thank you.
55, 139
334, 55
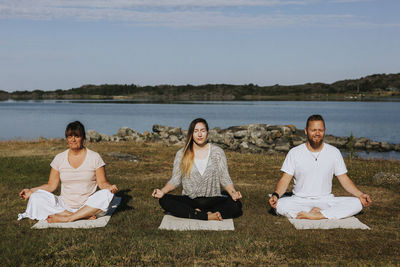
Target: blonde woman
202, 169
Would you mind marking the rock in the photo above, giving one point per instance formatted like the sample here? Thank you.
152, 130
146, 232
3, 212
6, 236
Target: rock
125, 131
385, 146
116, 138
297, 140
285, 147
124, 156
286, 130
104, 137
359, 145
375, 145
341, 142
175, 131
244, 145
292, 128
159, 128
173, 139
228, 138
386, 178
240, 134
93, 136
275, 134
215, 137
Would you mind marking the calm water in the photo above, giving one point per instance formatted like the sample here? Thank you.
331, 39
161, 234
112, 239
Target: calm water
31, 119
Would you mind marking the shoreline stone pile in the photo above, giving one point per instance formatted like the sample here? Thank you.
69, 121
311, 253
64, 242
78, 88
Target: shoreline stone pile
251, 138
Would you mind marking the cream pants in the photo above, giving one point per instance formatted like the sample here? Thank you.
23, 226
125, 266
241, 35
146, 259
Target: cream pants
331, 207
43, 203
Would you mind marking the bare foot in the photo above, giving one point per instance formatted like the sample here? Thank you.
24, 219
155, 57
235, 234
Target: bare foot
310, 215
216, 216
92, 217
315, 210
64, 213
57, 218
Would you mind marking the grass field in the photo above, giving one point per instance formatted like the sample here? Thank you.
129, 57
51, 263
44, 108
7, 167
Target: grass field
131, 238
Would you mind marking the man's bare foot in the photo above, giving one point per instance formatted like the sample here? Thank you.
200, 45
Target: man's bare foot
216, 216
57, 218
310, 215
315, 210
93, 217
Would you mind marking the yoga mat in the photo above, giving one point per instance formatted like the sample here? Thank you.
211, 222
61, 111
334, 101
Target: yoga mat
346, 223
99, 222
170, 222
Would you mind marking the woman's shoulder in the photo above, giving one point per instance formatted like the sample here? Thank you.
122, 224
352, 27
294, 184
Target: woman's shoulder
217, 150
92, 153
62, 154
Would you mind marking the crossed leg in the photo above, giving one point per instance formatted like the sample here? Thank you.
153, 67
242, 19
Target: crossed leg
313, 214
86, 212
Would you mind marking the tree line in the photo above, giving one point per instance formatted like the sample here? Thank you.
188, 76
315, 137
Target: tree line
369, 84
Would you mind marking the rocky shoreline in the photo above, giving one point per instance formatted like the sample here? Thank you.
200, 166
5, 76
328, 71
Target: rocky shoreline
252, 138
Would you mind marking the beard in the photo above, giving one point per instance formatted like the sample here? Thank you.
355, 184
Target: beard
314, 144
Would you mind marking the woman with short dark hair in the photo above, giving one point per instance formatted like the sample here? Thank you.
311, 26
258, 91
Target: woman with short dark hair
202, 169
80, 170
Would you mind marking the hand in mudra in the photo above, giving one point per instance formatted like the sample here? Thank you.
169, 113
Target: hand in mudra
157, 193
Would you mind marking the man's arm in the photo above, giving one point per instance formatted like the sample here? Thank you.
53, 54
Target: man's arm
281, 187
350, 187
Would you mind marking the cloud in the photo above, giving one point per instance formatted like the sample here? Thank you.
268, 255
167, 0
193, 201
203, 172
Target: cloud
174, 13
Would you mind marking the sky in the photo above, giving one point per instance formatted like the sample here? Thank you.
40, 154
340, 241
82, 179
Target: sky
62, 44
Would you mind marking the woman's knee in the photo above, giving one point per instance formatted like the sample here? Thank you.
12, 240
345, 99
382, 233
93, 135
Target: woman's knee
39, 196
106, 193
164, 202
237, 208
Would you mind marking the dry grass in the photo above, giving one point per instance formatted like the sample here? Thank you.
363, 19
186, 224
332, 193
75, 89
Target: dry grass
132, 238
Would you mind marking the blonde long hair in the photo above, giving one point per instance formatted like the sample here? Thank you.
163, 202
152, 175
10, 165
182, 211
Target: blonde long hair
188, 153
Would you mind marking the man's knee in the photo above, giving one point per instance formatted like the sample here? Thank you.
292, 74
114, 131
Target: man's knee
283, 205
355, 204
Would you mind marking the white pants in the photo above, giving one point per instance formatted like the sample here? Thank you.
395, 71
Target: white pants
331, 207
42, 203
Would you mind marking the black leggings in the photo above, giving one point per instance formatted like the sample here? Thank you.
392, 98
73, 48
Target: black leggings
184, 206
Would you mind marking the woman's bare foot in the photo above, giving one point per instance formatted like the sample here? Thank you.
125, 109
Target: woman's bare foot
310, 215
57, 218
215, 216
64, 213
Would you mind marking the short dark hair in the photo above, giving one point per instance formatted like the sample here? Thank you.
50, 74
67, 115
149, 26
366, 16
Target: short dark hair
315, 117
75, 128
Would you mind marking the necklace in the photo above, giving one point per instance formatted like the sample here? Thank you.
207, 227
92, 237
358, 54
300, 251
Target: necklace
313, 154
315, 157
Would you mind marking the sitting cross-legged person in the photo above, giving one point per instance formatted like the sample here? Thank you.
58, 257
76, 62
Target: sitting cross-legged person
202, 169
312, 166
80, 170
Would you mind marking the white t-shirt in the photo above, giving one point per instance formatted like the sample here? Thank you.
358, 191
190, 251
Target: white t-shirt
312, 173
201, 164
80, 183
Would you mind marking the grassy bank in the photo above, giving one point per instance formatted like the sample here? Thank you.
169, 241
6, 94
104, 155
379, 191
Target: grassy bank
132, 238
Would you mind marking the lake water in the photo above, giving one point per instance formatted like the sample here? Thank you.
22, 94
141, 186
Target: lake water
379, 121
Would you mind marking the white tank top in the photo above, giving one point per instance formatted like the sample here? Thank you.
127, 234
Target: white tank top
201, 164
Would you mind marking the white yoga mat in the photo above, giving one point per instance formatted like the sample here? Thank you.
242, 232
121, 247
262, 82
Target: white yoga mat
170, 222
99, 222
347, 223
